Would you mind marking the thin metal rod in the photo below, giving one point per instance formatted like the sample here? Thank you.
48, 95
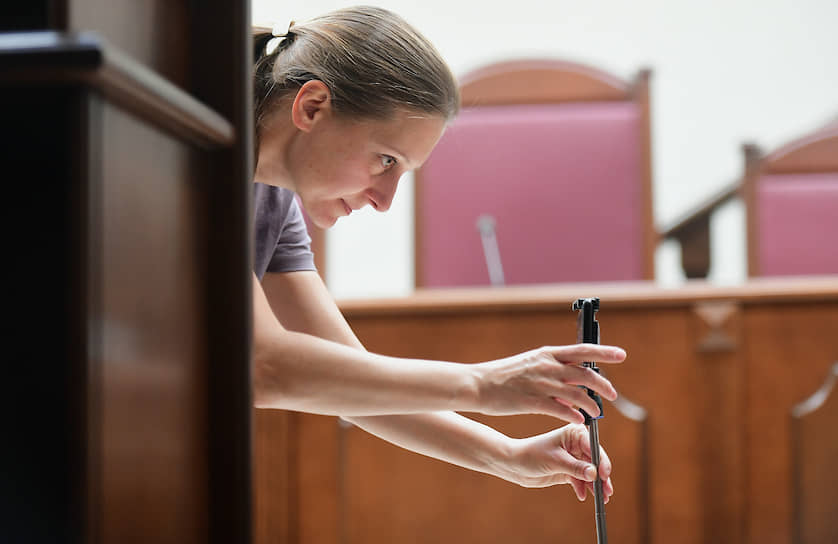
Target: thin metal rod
599, 499
491, 252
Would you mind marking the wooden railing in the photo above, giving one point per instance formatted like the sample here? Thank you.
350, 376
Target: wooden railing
702, 446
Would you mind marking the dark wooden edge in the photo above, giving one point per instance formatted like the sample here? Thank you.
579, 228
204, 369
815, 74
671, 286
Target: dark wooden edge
84, 58
91, 219
752, 156
640, 94
799, 411
221, 77
640, 415
617, 295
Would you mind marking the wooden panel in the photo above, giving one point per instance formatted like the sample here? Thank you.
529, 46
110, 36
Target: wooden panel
674, 425
429, 501
715, 369
814, 448
274, 467
717, 326
298, 490
153, 352
321, 498
790, 349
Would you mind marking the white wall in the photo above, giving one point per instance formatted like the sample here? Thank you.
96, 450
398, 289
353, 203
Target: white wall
724, 72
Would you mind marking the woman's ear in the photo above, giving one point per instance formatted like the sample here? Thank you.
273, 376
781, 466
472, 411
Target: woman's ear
312, 103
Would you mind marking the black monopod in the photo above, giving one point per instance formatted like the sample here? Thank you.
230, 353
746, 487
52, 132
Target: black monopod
587, 331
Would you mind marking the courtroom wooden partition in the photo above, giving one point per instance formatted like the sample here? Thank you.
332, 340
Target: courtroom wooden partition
126, 131
726, 433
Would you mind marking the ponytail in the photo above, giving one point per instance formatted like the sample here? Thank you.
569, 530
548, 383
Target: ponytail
372, 61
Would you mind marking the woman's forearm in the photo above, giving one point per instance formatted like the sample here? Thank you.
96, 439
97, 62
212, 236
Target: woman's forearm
296, 371
445, 436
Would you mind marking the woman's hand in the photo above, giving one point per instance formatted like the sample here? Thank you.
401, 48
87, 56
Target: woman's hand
561, 456
545, 381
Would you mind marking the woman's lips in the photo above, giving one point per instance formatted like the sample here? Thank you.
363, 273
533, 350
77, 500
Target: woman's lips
346, 207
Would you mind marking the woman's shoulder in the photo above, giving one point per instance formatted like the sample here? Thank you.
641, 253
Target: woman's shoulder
269, 197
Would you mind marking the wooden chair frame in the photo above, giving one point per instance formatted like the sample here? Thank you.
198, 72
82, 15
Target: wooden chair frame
551, 81
814, 153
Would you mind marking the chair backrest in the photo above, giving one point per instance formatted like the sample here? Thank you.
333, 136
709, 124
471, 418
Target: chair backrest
558, 154
791, 199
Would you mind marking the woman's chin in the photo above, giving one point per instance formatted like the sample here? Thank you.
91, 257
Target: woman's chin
324, 221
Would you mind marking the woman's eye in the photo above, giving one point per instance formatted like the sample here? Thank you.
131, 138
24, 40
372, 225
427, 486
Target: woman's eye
387, 161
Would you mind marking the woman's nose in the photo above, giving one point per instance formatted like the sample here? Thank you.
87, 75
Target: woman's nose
383, 193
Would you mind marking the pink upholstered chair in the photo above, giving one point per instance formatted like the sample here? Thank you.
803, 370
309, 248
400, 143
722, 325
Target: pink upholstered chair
791, 202
558, 155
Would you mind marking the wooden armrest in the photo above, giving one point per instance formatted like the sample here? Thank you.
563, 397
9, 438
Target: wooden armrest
692, 231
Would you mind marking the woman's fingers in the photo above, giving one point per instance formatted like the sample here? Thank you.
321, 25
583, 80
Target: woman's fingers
576, 441
574, 397
576, 468
583, 444
547, 380
575, 416
580, 353
563, 410
580, 375
579, 488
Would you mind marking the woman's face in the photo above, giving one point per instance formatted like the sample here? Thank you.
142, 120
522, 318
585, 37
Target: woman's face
342, 165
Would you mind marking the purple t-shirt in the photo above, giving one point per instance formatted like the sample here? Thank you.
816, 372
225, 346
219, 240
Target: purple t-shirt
281, 240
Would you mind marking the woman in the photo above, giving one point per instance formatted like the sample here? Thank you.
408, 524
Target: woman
345, 104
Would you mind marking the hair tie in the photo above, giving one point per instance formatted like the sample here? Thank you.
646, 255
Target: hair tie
279, 37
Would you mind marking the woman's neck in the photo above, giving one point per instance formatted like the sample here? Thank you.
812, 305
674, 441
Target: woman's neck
272, 165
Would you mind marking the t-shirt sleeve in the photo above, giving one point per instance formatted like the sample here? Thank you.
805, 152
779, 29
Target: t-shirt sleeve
293, 249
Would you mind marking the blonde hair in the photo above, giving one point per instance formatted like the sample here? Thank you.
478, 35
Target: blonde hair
373, 62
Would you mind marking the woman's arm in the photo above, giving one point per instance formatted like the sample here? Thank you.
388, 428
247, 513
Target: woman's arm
296, 370
302, 303
561, 456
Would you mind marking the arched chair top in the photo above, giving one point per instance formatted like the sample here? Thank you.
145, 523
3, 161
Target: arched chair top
815, 152
547, 81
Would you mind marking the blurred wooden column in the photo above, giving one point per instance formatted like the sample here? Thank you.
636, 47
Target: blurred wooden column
126, 151
720, 418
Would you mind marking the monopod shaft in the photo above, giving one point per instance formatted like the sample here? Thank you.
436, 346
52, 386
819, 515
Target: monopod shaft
587, 331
